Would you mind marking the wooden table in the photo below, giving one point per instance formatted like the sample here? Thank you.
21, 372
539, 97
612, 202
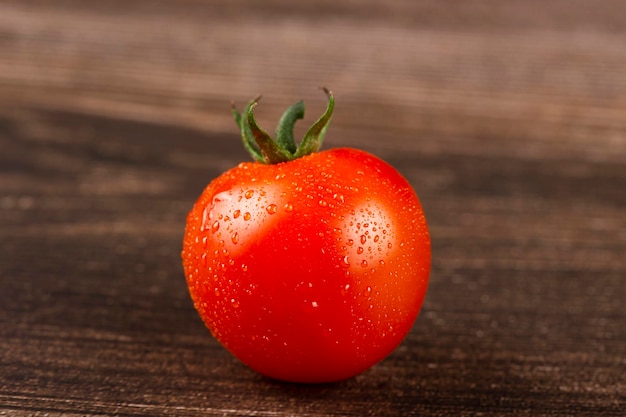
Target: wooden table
508, 118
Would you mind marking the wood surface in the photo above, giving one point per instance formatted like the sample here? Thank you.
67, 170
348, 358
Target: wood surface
508, 118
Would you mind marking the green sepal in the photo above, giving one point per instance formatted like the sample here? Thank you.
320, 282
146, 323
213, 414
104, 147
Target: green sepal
246, 134
314, 137
271, 151
265, 149
284, 130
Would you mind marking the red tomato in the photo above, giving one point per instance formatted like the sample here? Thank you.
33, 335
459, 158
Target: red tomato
310, 270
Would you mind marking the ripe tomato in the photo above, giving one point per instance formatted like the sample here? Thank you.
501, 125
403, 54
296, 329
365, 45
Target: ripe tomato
311, 269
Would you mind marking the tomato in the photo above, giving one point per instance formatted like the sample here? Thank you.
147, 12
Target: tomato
311, 269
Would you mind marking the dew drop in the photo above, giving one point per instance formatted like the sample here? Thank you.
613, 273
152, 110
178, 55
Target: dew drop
364, 264
271, 209
246, 216
322, 203
288, 207
345, 261
215, 227
249, 194
235, 238
244, 267
236, 214
206, 216
344, 289
363, 239
376, 238
381, 262
350, 242
359, 250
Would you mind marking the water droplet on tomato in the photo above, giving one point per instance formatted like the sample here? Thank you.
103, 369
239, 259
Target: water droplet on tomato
363, 239
359, 250
215, 227
364, 263
249, 194
376, 238
246, 216
344, 289
236, 214
271, 209
338, 197
350, 242
288, 207
235, 238
345, 261
244, 267
322, 203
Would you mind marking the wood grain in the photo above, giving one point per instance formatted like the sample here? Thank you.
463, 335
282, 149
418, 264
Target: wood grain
509, 119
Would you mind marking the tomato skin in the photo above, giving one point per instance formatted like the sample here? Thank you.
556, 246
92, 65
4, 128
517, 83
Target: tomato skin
311, 270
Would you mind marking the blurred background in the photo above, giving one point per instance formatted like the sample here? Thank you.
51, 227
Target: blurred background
508, 118
536, 75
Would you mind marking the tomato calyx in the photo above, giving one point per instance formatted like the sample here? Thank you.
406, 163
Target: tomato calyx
268, 150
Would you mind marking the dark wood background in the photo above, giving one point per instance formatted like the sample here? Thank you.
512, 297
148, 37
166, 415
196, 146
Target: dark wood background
508, 118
